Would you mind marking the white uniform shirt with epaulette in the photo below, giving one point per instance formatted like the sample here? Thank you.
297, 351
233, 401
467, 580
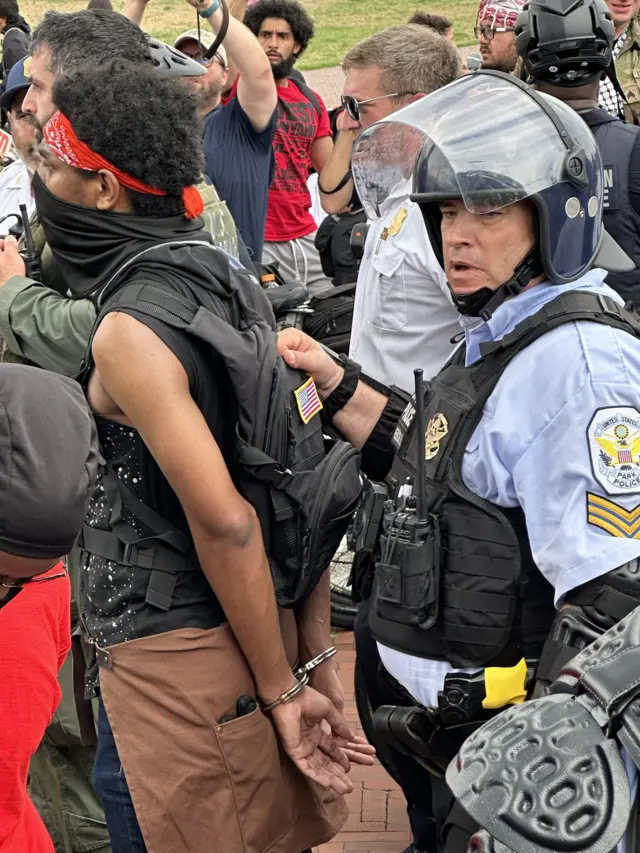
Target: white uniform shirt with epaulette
559, 437
403, 315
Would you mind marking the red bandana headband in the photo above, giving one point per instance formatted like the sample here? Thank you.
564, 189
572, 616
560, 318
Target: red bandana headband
500, 13
63, 142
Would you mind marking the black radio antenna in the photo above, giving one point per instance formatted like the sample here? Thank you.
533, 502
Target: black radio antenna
421, 485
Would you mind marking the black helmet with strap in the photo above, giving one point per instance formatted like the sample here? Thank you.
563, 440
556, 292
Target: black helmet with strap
565, 42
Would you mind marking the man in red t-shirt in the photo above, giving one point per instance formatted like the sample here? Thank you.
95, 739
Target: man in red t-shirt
302, 141
48, 461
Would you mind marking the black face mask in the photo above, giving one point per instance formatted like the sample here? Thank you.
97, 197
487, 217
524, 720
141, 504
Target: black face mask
89, 246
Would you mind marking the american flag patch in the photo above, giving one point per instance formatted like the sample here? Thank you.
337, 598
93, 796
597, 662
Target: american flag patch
625, 457
308, 401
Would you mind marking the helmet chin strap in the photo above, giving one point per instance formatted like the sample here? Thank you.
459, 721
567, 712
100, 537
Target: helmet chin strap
485, 301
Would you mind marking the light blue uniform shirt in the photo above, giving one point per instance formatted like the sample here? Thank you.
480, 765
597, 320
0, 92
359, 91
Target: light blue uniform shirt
560, 437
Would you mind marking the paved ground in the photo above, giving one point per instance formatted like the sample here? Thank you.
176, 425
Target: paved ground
328, 81
378, 820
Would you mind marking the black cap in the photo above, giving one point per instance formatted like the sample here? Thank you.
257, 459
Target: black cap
48, 461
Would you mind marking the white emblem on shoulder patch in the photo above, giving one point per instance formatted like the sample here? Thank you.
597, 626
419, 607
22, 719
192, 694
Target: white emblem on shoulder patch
614, 447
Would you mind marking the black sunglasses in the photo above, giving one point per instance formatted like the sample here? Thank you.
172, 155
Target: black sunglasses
18, 583
352, 107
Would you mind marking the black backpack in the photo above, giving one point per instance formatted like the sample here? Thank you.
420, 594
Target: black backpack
332, 317
304, 494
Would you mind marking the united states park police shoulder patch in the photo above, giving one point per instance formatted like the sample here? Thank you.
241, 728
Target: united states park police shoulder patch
613, 436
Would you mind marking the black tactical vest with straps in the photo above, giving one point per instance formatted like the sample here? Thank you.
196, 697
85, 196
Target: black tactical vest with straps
468, 590
303, 492
616, 142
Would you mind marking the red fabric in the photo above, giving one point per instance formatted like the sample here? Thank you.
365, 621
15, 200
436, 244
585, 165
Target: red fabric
233, 91
500, 13
34, 642
63, 142
297, 128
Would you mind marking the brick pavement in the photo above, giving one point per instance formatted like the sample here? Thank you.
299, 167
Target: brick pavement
378, 821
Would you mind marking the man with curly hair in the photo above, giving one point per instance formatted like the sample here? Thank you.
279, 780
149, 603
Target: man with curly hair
182, 639
40, 325
302, 141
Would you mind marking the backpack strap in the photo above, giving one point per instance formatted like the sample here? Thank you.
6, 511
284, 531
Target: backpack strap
164, 553
310, 95
630, 114
566, 308
340, 290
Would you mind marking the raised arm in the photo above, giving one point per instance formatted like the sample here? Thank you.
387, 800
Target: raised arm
256, 93
134, 10
337, 168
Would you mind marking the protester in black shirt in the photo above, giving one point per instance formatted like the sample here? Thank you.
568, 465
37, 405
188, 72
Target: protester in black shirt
16, 36
114, 198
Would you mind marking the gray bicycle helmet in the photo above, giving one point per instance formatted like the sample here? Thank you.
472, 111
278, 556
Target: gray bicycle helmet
172, 62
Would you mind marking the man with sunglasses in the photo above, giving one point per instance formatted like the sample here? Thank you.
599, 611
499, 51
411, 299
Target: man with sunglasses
48, 461
495, 31
238, 137
403, 314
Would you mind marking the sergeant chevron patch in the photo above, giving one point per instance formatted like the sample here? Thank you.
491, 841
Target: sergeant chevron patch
613, 518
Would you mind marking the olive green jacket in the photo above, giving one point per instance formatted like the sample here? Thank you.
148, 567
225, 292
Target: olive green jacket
628, 66
39, 326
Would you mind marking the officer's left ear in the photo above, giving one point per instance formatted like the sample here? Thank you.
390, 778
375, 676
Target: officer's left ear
417, 97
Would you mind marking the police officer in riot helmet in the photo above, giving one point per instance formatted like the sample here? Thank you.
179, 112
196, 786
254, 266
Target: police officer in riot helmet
517, 468
566, 47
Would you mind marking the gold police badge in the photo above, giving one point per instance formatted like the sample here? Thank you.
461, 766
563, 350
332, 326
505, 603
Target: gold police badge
437, 428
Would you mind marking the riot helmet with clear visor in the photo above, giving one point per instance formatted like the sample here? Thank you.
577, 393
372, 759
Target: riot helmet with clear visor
489, 140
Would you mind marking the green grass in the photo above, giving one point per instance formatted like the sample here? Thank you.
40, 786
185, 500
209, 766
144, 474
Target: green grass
339, 23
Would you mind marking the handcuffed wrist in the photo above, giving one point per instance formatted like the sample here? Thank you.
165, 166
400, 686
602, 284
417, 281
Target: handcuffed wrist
308, 667
288, 695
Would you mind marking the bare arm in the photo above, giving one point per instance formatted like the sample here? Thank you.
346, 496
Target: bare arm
257, 94
136, 377
224, 526
314, 621
237, 8
320, 153
334, 171
134, 10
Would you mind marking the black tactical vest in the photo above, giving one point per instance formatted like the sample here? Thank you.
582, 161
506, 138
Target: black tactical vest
616, 142
465, 588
